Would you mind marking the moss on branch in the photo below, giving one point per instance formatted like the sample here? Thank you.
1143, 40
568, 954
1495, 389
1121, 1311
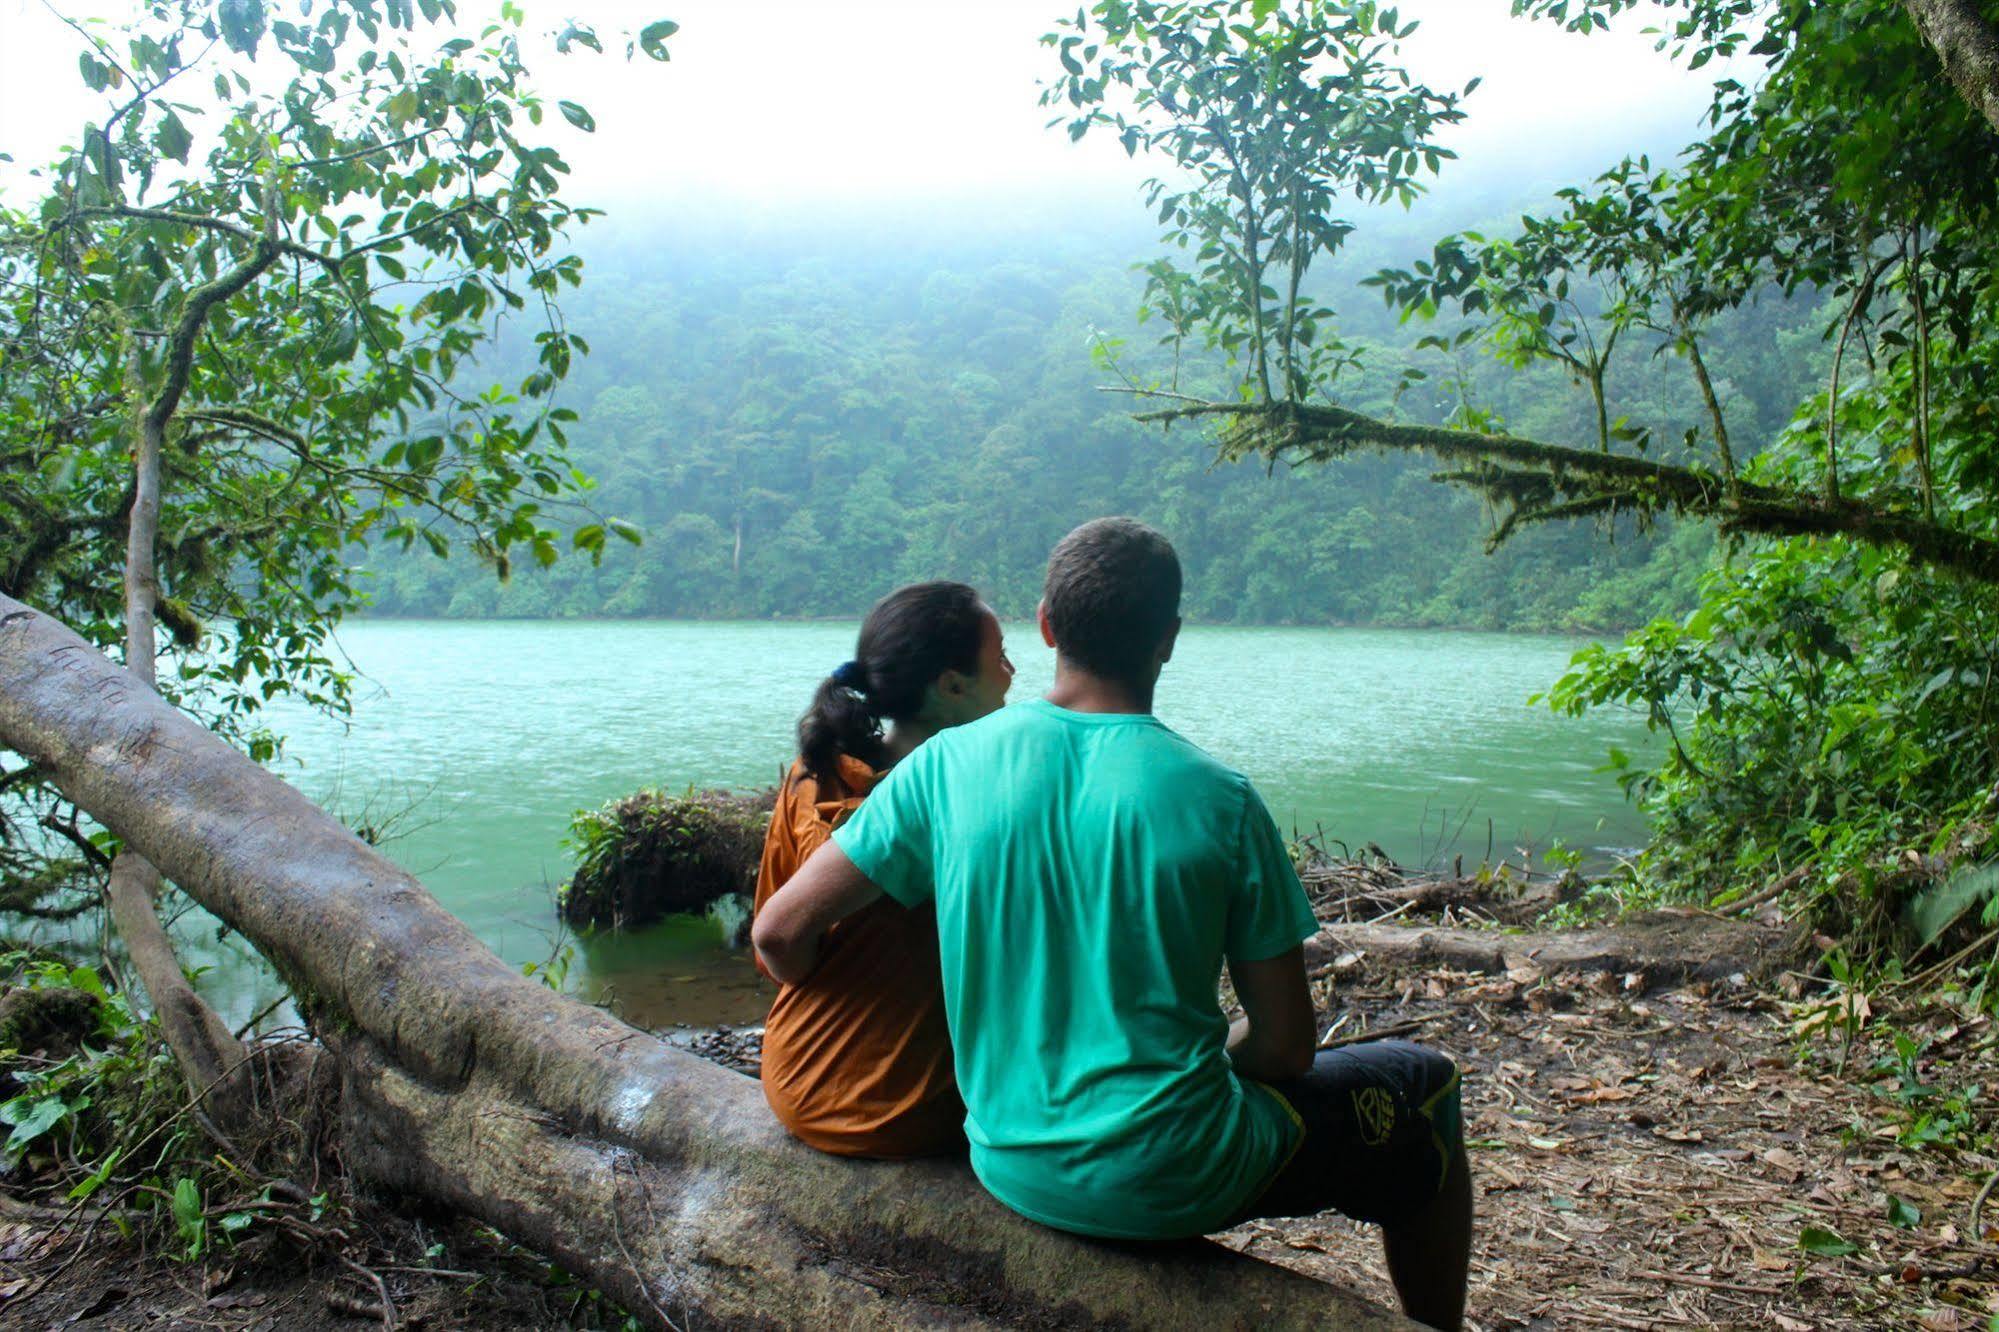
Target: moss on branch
1536, 482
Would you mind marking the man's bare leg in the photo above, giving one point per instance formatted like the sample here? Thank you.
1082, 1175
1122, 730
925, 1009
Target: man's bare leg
1429, 1256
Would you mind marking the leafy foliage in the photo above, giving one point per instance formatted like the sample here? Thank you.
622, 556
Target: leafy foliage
800, 423
1827, 704
278, 251
1279, 116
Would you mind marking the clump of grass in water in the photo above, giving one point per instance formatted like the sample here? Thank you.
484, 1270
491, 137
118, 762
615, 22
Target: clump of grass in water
652, 855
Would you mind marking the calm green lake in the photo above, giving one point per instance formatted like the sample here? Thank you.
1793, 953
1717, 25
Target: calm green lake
492, 733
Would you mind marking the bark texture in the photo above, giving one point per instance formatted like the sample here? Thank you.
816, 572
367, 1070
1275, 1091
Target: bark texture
209, 1055
1967, 42
1658, 947
652, 1173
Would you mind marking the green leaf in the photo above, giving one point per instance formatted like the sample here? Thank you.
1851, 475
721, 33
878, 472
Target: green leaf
424, 452
1903, 1213
401, 108
97, 1177
1825, 1243
652, 38
578, 117
188, 1218
187, 1201
1937, 908
173, 139
96, 74
242, 23
31, 1118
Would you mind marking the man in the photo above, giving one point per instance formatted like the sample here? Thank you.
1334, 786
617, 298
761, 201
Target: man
1091, 872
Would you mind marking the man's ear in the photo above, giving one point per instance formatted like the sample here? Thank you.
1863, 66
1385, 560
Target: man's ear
1047, 629
1166, 644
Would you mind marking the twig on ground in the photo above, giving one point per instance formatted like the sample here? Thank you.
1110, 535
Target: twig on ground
1709, 1283
1978, 1207
387, 1311
1388, 1032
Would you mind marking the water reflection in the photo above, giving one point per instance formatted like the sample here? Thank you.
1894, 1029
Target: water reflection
679, 972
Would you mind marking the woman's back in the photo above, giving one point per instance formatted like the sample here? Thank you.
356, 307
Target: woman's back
857, 1061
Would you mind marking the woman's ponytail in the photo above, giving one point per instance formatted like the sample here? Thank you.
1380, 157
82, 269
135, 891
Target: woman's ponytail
838, 722
912, 636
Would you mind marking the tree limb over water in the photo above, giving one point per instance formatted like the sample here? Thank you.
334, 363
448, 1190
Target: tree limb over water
1537, 482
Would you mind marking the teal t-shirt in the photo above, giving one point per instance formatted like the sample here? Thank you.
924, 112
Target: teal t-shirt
1091, 871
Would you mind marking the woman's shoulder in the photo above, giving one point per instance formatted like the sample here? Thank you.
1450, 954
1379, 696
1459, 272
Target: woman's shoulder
851, 781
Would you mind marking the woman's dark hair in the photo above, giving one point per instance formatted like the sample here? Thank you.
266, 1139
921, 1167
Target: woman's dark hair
912, 636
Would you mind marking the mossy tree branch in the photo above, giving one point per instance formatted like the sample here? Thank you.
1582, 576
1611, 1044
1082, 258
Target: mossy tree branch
1968, 45
1537, 482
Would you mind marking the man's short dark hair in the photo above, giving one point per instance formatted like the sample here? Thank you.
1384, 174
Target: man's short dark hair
1113, 594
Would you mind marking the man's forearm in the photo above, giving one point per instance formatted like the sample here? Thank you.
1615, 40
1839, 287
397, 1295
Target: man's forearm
788, 931
1253, 1058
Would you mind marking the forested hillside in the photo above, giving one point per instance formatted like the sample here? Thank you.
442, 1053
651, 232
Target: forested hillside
799, 424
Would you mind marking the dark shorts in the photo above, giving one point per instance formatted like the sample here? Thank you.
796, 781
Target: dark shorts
1382, 1125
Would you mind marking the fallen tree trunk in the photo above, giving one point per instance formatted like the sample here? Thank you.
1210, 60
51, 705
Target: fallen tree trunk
649, 1172
1659, 947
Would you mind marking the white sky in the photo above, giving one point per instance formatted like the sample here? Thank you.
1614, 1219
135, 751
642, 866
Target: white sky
778, 106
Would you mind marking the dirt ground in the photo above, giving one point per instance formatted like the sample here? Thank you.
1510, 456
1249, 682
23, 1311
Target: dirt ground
448, 1276
1653, 1160
1650, 1151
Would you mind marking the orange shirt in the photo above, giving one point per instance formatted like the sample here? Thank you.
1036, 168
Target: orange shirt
857, 1060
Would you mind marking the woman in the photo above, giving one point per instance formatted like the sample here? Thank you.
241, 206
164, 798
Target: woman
857, 1060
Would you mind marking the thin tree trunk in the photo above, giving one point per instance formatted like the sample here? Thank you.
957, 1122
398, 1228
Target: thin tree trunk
210, 1057
1602, 408
1924, 477
652, 1174
1862, 296
1720, 422
1968, 45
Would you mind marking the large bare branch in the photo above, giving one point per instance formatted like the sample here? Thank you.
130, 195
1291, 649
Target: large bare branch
653, 1174
1968, 45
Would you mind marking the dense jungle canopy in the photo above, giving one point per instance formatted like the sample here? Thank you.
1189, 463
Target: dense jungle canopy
801, 425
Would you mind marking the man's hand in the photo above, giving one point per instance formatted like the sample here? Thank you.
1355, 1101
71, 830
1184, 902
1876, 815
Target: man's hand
1278, 1034
826, 889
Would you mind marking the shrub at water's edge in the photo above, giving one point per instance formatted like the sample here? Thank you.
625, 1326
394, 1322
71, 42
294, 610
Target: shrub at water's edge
647, 856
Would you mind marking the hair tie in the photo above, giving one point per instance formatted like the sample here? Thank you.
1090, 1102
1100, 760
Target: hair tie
848, 675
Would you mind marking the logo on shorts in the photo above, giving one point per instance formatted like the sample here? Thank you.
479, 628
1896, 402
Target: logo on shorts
1374, 1109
